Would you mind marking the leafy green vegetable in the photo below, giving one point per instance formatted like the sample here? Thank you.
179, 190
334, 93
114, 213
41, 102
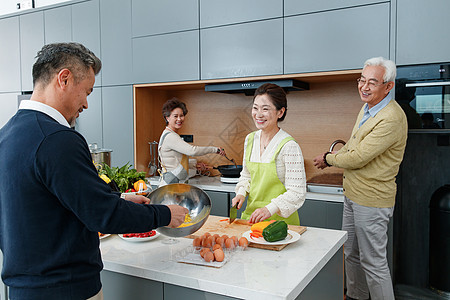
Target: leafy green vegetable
124, 176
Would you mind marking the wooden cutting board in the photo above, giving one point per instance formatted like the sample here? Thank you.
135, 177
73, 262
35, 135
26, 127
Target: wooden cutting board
213, 225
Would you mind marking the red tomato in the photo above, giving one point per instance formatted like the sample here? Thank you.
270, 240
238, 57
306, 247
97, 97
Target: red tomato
140, 235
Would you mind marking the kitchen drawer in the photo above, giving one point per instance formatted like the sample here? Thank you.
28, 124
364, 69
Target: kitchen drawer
219, 202
323, 214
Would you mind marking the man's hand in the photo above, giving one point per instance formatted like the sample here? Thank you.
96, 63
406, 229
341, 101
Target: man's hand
178, 214
319, 161
139, 199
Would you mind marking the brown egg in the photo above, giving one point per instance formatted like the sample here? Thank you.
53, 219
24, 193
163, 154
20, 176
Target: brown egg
209, 256
216, 246
197, 242
220, 241
216, 236
203, 251
206, 234
207, 242
229, 243
235, 239
243, 242
224, 237
219, 255
210, 241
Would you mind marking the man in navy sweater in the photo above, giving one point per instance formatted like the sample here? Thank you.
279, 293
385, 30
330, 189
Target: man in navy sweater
52, 202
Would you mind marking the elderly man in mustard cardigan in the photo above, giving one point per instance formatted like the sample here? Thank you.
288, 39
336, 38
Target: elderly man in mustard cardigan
371, 160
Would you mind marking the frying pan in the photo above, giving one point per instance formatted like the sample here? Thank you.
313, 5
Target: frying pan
231, 171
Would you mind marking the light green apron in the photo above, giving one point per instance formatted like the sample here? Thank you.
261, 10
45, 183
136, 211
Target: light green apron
265, 184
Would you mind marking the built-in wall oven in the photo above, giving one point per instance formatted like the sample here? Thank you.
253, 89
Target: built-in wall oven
423, 91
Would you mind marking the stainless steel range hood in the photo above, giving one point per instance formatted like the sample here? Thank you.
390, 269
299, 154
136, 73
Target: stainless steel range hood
248, 88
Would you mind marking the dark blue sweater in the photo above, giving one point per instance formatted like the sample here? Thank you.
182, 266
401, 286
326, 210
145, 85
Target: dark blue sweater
52, 204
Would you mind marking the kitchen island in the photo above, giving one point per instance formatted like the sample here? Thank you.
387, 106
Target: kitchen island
311, 268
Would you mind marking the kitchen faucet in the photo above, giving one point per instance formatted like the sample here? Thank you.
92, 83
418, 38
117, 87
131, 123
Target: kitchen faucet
335, 143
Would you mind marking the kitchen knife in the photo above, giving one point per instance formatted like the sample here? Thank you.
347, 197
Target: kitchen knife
233, 213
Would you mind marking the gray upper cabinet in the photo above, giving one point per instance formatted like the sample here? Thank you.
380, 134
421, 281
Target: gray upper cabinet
115, 32
422, 31
58, 25
86, 28
89, 123
9, 55
250, 49
219, 12
295, 7
156, 17
167, 57
117, 110
31, 41
336, 40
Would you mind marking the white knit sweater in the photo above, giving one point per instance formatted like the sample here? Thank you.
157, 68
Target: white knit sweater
290, 171
173, 147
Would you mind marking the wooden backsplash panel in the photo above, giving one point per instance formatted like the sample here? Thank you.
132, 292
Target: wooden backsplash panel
315, 119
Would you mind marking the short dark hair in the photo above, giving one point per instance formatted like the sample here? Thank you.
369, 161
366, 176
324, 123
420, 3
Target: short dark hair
52, 58
170, 105
276, 94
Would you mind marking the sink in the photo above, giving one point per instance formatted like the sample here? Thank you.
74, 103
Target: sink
324, 189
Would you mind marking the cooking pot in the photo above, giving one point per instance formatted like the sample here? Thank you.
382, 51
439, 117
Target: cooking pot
231, 171
99, 155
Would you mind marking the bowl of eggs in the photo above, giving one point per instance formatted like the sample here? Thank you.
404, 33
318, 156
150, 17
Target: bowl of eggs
193, 198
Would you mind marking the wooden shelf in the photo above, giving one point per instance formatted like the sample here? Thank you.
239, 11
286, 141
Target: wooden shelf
332, 76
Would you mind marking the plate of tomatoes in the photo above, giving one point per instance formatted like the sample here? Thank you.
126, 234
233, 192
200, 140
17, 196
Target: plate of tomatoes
140, 237
103, 235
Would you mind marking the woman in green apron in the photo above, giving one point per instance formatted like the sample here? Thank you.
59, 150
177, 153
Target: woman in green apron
273, 175
173, 152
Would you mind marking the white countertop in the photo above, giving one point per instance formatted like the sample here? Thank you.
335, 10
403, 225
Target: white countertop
250, 274
214, 184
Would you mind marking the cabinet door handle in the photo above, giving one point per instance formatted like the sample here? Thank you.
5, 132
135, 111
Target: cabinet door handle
425, 84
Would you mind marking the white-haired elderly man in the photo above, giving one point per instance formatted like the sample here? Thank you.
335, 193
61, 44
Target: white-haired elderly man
371, 160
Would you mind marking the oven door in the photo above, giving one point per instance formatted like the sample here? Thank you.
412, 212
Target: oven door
426, 104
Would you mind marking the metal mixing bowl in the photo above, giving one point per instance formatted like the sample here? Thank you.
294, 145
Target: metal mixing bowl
194, 199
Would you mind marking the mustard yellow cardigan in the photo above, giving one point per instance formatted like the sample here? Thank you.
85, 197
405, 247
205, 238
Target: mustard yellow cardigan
372, 156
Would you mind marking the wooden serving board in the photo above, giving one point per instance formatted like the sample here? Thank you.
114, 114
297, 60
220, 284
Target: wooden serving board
213, 225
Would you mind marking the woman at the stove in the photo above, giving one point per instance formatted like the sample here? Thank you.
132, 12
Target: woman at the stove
173, 152
273, 175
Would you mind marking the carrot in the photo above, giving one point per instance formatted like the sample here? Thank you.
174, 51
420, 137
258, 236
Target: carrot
223, 220
255, 234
